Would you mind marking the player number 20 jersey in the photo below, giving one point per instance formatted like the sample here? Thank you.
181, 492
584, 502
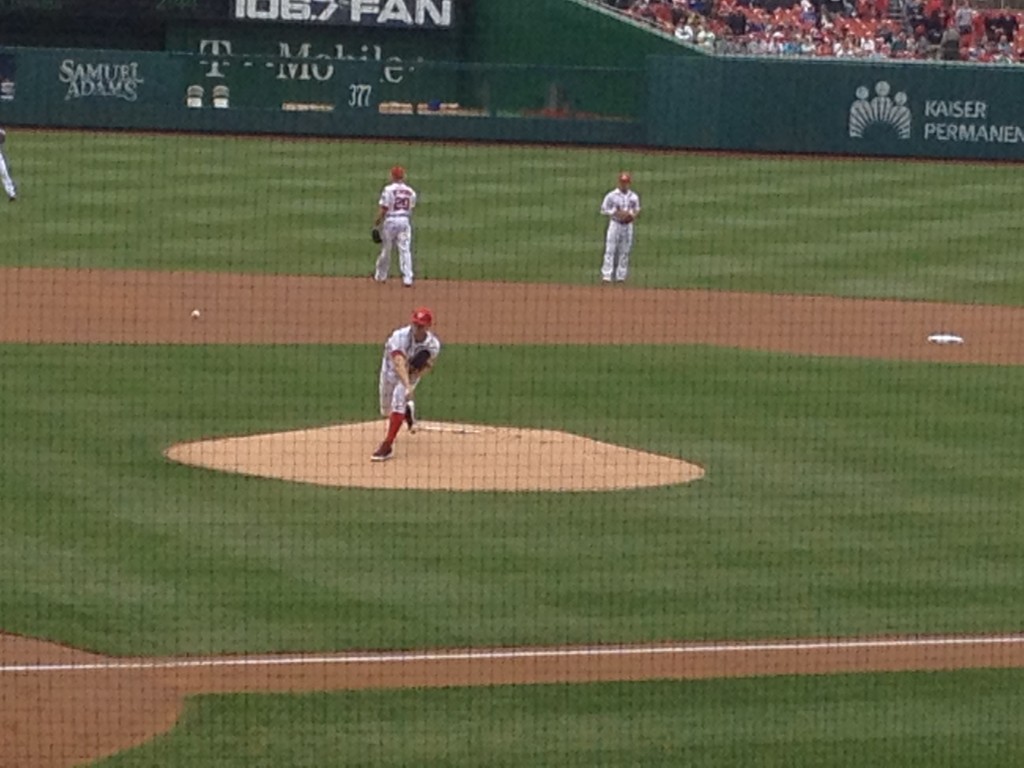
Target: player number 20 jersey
399, 198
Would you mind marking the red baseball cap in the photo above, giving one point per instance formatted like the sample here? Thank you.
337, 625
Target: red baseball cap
625, 178
398, 172
423, 317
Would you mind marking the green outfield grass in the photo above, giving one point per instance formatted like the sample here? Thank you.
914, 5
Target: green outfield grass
842, 497
807, 225
909, 719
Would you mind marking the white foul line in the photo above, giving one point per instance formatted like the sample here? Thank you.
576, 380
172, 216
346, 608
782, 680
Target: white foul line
483, 654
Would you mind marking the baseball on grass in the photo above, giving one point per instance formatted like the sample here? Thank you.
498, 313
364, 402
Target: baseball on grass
196, 314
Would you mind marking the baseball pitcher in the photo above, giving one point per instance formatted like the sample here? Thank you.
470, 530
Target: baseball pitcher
621, 206
5, 172
409, 353
393, 226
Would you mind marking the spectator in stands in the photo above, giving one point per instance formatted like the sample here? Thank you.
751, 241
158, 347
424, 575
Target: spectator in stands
790, 42
949, 44
662, 12
875, 47
913, 14
704, 35
845, 48
641, 10
1004, 23
934, 24
922, 48
978, 27
684, 31
963, 18
883, 32
833, 7
823, 28
736, 22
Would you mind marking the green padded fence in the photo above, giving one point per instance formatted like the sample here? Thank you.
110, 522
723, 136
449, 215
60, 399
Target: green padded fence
864, 108
222, 89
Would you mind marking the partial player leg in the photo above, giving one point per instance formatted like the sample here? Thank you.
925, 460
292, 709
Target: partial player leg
386, 395
380, 273
608, 266
404, 241
396, 418
386, 392
624, 249
5, 177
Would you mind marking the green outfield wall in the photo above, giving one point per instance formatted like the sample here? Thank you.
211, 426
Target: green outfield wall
218, 91
863, 108
367, 89
562, 32
536, 37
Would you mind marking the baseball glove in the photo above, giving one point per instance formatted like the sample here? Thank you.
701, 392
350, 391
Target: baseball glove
375, 235
419, 361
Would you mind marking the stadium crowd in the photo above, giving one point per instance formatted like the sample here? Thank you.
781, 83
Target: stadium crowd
948, 30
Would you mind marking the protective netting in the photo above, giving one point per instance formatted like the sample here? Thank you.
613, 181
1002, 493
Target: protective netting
700, 430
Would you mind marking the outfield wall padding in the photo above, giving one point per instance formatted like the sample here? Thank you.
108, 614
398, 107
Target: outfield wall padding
218, 92
904, 109
734, 104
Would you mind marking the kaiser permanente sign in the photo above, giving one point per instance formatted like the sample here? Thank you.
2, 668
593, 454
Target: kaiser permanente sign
377, 13
969, 120
862, 107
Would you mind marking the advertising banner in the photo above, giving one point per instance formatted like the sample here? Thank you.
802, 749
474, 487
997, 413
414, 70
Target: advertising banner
901, 109
277, 67
410, 14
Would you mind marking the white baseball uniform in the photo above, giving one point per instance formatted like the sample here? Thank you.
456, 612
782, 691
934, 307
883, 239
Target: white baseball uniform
5, 173
618, 241
396, 230
392, 390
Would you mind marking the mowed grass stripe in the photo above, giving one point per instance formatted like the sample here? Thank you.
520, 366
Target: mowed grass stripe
967, 718
842, 498
508, 212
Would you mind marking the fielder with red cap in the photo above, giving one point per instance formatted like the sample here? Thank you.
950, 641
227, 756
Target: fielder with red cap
409, 353
394, 221
621, 206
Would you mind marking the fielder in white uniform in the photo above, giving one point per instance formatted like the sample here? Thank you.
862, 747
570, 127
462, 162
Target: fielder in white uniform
397, 382
394, 219
5, 173
621, 206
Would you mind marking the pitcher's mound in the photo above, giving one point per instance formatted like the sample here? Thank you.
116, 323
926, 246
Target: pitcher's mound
439, 456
